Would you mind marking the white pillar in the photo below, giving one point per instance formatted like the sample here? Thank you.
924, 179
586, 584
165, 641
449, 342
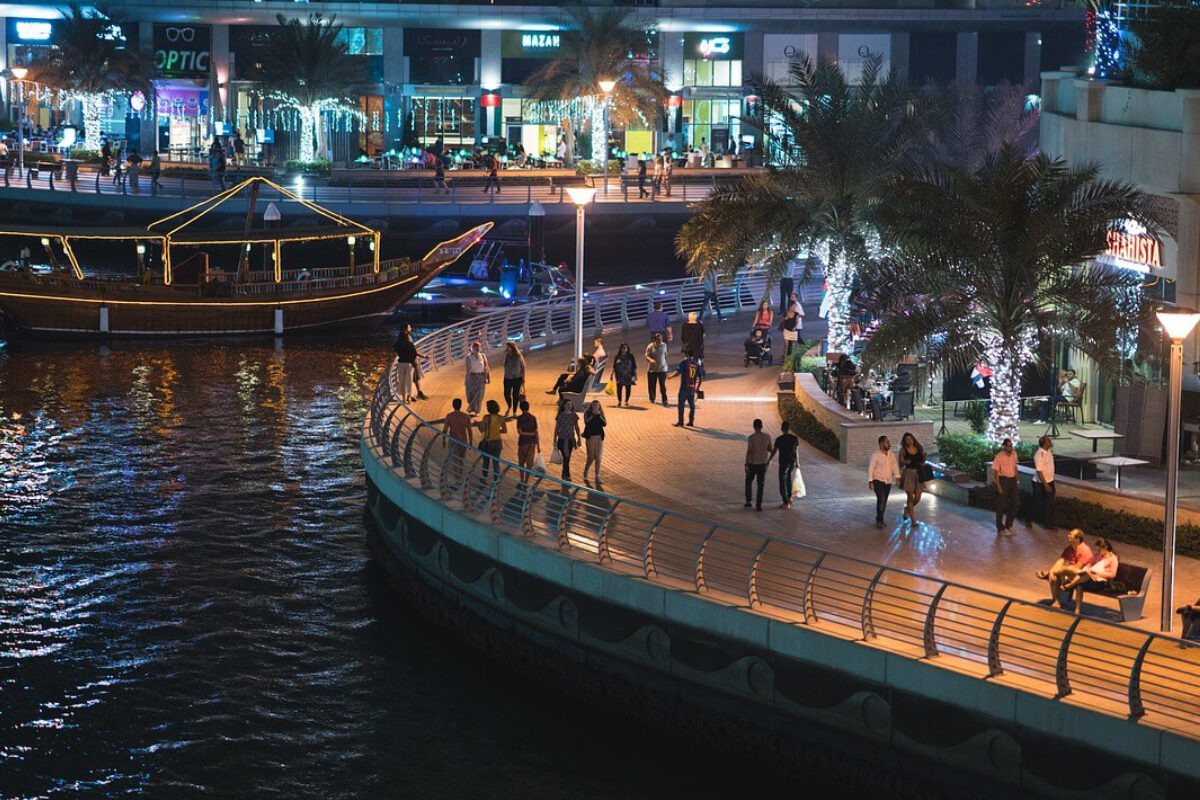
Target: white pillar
104, 319
279, 322
966, 57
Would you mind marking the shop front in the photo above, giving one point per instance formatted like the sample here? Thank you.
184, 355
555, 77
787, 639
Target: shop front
443, 94
182, 112
712, 94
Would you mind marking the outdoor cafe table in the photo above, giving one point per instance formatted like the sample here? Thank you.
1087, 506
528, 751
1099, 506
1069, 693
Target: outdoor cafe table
1118, 462
1096, 436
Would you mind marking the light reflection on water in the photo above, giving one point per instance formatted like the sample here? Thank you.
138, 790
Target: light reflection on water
187, 608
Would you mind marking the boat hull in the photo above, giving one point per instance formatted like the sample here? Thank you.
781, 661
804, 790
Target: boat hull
174, 312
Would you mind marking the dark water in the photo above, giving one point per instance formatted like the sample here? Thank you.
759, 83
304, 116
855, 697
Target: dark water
187, 608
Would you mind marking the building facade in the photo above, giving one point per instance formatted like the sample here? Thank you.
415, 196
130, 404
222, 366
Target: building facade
455, 71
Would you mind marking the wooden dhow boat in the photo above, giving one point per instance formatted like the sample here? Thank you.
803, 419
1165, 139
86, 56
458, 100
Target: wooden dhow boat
180, 287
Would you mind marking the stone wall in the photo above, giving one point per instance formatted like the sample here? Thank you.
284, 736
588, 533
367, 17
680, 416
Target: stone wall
857, 435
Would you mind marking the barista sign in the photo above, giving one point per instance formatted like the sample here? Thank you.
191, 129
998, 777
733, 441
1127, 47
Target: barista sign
182, 51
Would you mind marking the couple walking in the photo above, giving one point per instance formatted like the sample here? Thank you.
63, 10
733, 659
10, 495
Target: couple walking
907, 470
759, 453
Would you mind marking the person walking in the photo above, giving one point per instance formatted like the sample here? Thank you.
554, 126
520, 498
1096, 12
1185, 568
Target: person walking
656, 369
625, 373
457, 427
656, 184
794, 305
882, 472
691, 335
406, 363
439, 176
787, 283
711, 296
641, 176
764, 318
106, 157
594, 423
135, 168
566, 434
786, 445
758, 455
691, 375
492, 181
155, 172
912, 475
528, 443
668, 171
514, 377
1008, 489
491, 427
659, 321
791, 331
479, 375
1043, 484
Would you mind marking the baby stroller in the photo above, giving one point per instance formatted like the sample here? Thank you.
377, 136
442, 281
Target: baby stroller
758, 350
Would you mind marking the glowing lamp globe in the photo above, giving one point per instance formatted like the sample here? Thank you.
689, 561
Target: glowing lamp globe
1178, 322
607, 86
19, 73
581, 195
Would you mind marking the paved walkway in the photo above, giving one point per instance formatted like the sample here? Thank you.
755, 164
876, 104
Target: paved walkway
699, 471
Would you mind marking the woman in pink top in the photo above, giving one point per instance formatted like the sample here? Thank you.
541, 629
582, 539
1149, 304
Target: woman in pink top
1103, 567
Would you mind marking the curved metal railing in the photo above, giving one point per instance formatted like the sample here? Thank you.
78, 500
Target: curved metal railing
1113, 668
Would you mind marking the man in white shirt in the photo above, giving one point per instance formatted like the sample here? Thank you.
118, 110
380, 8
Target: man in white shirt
881, 474
1043, 484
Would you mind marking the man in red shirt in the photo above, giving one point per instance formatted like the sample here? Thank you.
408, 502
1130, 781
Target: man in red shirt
1008, 490
691, 374
1074, 557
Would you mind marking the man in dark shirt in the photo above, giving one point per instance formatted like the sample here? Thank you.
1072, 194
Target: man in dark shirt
659, 321
786, 445
691, 374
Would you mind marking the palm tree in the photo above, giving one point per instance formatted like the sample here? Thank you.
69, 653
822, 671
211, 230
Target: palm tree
306, 67
88, 63
964, 123
987, 266
834, 141
600, 45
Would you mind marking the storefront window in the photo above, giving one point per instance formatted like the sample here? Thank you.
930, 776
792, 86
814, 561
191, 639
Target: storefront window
452, 118
716, 122
442, 57
712, 60
362, 41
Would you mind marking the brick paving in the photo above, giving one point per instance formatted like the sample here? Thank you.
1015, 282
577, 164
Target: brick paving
699, 471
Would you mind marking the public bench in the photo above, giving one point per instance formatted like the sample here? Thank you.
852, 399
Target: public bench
1128, 588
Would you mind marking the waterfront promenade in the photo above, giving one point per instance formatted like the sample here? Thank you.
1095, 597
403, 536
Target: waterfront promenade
699, 471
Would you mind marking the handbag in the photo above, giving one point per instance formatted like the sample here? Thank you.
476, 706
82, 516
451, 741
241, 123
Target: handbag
699, 394
799, 490
926, 473
555, 456
610, 388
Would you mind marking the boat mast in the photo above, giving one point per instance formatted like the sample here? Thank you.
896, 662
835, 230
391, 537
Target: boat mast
243, 275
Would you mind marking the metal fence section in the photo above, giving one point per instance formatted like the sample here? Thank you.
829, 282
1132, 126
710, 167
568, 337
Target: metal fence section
1112, 668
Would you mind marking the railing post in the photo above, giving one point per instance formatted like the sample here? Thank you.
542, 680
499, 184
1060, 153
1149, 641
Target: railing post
993, 651
494, 494
648, 549
929, 637
393, 450
468, 505
867, 625
560, 519
527, 509
408, 447
752, 577
1062, 679
602, 551
701, 585
1136, 708
423, 470
807, 604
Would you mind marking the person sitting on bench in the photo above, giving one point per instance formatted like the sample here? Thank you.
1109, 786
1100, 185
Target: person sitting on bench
1073, 559
576, 381
1102, 569
1190, 617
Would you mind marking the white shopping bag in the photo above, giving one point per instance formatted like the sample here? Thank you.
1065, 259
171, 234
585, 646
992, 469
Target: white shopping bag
798, 488
556, 456
538, 464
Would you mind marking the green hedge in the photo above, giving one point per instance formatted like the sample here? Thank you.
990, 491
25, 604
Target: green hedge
318, 166
1096, 520
807, 427
972, 453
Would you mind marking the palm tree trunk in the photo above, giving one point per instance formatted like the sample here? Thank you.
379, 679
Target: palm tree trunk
90, 104
599, 134
1007, 360
307, 129
838, 277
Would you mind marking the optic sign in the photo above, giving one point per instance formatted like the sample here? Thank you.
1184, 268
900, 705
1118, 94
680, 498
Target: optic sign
182, 51
1133, 248
31, 31
714, 46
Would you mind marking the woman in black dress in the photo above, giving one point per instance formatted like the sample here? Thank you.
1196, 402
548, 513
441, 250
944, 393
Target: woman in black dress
912, 467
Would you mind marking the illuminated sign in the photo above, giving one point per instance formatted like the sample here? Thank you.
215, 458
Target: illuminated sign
34, 31
1134, 250
539, 41
182, 51
715, 46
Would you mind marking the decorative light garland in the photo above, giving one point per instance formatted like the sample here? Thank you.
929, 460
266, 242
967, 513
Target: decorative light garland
1007, 360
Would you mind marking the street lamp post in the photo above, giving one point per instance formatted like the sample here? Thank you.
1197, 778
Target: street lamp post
581, 196
607, 86
1178, 323
19, 73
